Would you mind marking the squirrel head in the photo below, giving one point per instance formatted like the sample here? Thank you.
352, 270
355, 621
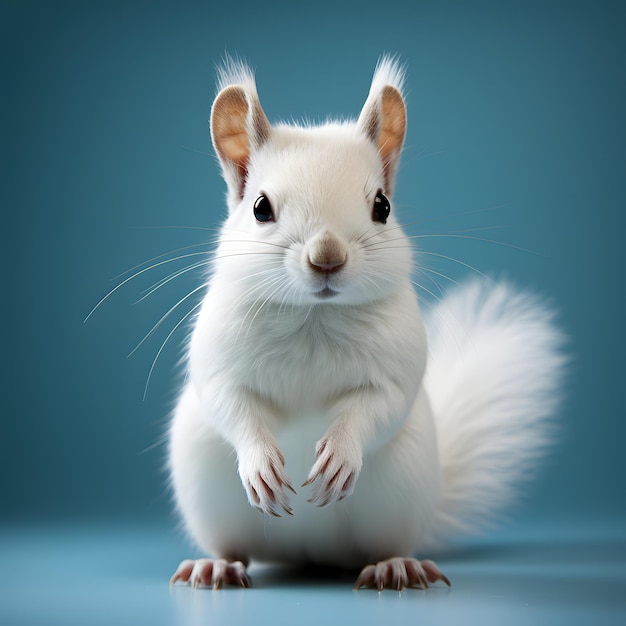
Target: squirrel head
321, 194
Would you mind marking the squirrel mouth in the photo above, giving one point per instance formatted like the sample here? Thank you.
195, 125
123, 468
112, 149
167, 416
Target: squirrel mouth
326, 293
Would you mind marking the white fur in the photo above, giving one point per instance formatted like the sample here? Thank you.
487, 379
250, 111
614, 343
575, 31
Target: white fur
335, 386
493, 377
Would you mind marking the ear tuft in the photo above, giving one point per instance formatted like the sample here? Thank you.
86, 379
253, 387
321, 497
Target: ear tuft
234, 71
388, 71
383, 118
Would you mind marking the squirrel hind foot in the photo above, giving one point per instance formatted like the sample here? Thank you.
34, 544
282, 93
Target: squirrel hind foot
400, 573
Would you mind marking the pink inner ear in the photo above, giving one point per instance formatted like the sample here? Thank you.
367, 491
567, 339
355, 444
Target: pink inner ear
392, 132
230, 134
235, 149
238, 124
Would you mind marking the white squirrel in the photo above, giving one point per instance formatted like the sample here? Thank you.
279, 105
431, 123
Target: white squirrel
309, 363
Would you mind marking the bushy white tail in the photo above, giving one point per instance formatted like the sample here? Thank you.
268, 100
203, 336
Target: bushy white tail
493, 376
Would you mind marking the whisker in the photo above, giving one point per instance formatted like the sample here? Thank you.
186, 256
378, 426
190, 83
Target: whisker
174, 227
153, 329
281, 231
233, 254
431, 271
188, 149
382, 247
308, 313
257, 241
156, 358
421, 222
265, 243
211, 243
150, 290
439, 313
449, 258
367, 276
267, 270
430, 293
493, 241
360, 238
454, 236
159, 442
279, 283
260, 285
160, 256
434, 282
421, 155
136, 274
445, 216
477, 229
265, 286
289, 290
386, 241
385, 232
171, 277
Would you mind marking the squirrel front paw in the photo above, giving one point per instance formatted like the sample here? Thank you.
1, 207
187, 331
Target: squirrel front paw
262, 472
337, 466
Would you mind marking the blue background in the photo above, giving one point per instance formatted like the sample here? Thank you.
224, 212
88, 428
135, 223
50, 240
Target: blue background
516, 134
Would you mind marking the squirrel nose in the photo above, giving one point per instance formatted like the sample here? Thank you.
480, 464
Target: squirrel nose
326, 266
326, 253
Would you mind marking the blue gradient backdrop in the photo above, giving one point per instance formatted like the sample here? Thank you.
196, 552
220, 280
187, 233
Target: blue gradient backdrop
516, 122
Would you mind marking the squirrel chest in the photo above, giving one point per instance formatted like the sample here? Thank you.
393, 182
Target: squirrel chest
305, 357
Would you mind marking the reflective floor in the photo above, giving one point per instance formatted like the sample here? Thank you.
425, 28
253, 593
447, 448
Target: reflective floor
90, 575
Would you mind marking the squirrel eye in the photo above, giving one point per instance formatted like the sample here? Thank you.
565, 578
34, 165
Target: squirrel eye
263, 211
381, 209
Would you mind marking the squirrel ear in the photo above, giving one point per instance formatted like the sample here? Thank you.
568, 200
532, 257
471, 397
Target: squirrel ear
383, 118
238, 126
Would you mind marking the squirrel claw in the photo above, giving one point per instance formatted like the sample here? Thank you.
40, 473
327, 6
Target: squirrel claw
399, 573
211, 572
